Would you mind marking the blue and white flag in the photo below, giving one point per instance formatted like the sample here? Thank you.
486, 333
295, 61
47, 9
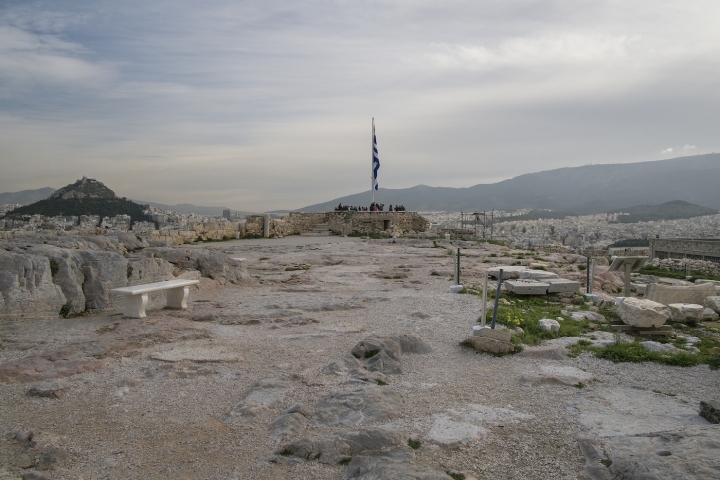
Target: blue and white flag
376, 159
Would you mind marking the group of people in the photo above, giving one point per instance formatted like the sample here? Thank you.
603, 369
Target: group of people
374, 207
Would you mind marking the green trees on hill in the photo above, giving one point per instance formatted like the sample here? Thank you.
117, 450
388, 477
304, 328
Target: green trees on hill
104, 207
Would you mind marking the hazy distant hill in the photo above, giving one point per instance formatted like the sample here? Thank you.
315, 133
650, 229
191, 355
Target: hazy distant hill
25, 196
581, 190
667, 211
84, 197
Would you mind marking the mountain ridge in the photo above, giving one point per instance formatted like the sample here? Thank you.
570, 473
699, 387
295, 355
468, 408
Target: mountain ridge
583, 190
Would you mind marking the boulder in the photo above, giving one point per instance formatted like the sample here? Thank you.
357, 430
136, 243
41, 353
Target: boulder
537, 275
710, 314
488, 345
685, 312
26, 287
712, 303
556, 374
667, 294
549, 325
710, 411
643, 313
291, 422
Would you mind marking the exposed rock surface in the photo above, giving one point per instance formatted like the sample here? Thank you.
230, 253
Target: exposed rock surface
213, 265
265, 394
556, 374
26, 287
365, 405
339, 447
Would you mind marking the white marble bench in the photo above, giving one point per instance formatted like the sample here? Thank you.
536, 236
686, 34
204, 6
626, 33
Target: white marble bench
136, 297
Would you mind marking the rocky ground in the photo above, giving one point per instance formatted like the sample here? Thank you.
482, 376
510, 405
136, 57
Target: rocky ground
259, 381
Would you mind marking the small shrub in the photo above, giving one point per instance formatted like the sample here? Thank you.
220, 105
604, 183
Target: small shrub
264, 258
414, 444
381, 383
582, 267
456, 476
54, 267
371, 353
65, 310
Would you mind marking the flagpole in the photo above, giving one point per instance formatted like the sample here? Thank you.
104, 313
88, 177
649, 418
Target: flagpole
372, 161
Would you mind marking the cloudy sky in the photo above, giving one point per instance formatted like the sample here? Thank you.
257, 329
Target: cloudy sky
261, 105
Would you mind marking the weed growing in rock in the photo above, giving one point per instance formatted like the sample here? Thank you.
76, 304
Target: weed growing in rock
414, 444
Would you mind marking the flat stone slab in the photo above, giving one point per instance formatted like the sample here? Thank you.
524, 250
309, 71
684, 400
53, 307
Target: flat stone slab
537, 275
197, 354
562, 285
448, 433
527, 287
479, 331
557, 374
508, 272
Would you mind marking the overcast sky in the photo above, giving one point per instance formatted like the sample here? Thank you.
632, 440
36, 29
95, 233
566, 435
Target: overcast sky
268, 104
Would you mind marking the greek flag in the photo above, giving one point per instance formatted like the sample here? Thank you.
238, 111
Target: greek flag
376, 159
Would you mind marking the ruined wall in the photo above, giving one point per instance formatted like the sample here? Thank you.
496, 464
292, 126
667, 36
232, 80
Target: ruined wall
696, 249
342, 223
678, 265
203, 231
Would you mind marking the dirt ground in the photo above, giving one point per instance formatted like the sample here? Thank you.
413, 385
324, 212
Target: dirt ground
151, 398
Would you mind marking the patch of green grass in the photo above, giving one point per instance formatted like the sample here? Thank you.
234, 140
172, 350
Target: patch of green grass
435, 274
582, 267
663, 272
456, 476
606, 462
414, 444
381, 383
345, 461
579, 385
371, 353
264, 258
493, 255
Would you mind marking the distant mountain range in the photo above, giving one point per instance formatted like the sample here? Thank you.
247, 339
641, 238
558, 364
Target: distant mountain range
25, 196
574, 190
567, 191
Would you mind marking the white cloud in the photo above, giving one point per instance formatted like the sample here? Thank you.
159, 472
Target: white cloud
690, 148
667, 151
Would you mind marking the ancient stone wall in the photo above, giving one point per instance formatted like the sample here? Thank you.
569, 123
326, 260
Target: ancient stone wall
696, 249
342, 223
203, 231
678, 265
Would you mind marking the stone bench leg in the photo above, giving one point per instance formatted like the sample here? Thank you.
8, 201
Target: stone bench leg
134, 305
177, 298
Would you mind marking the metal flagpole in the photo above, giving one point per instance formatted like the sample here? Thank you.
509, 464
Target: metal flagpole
372, 161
